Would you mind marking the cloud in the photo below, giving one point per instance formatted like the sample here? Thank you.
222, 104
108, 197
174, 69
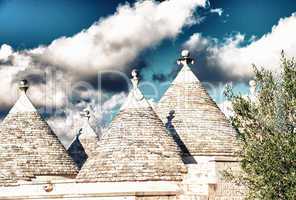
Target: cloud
226, 108
113, 42
69, 121
251, 95
234, 59
218, 11
197, 42
5, 52
63, 74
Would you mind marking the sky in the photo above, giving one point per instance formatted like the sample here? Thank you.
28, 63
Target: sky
79, 53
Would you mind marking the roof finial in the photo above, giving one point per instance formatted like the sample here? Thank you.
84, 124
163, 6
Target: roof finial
135, 79
185, 58
85, 113
24, 85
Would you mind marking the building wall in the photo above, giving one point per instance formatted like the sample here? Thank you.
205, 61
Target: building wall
71, 190
223, 189
205, 181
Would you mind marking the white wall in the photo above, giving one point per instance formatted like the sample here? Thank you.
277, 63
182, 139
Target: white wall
89, 191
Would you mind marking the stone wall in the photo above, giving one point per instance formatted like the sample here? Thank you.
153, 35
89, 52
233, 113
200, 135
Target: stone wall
72, 190
223, 189
204, 180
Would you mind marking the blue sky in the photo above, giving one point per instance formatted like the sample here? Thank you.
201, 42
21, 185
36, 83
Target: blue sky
27, 24
225, 37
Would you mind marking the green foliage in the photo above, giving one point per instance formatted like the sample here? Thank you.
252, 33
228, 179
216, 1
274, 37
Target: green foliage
267, 133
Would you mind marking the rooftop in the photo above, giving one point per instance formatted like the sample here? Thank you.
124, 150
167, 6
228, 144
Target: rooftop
85, 142
136, 147
29, 148
193, 117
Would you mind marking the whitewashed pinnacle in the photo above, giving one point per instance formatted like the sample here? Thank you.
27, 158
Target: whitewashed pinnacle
24, 85
85, 113
185, 75
86, 130
135, 98
23, 104
185, 58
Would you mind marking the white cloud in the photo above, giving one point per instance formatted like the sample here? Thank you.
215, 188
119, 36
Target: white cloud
115, 41
5, 52
235, 59
111, 43
107, 110
67, 126
226, 108
219, 11
114, 101
197, 42
8, 91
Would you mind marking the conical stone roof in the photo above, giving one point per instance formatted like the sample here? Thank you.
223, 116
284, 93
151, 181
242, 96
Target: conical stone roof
87, 136
189, 112
85, 143
29, 147
136, 147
